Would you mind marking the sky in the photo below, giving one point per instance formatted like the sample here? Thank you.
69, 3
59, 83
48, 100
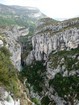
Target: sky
56, 9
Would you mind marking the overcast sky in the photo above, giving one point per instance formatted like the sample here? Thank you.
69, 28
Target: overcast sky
57, 9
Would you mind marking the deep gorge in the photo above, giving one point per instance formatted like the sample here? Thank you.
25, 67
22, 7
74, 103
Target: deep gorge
39, 58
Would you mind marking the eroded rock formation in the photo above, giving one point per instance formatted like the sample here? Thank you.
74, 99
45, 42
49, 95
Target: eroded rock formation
57, 44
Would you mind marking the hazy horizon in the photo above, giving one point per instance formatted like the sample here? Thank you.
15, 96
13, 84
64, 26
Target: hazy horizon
59, 10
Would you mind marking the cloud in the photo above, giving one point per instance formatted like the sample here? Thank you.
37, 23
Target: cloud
52, 8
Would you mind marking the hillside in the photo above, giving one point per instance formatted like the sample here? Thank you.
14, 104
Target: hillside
16, 15
53, 63
39, 58
15, 21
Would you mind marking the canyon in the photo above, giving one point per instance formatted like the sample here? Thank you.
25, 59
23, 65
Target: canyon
43, 64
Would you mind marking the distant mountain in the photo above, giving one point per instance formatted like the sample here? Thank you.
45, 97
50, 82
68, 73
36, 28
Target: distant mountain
46, 54
23, 16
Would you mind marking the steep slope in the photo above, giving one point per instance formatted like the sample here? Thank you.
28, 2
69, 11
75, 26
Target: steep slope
17, 15
12, 91
49, 56
22, 21
53, 63
15, 22
16, 25
11, 35
55, 36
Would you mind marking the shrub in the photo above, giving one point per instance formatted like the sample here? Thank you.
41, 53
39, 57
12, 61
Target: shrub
8, 75
34, 76
66, 87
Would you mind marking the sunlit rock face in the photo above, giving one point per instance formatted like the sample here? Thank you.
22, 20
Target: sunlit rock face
46, 43
60, 36
58, 45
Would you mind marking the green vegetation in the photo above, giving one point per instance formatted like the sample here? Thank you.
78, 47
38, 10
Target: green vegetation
66, 87
47, 22
68, 59
58, 26
8, 74
57, 30
12, 20
7, 21
34, 74
11, 15
36, 101
45, 100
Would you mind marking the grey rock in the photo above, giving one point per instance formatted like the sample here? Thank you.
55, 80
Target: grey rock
1, 43
11, 35
52, 38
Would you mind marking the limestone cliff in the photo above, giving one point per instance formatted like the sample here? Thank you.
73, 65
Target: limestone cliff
16, 23
56, 46
59, 36
49, 56
11, 35
12, 91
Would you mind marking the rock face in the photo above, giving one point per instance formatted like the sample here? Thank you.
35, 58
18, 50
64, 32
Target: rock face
6, 98
58, 45
54, 38
44, 44
1, 43
12, 35
9, 41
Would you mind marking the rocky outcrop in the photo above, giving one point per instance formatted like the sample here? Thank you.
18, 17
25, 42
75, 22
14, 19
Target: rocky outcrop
6, 98
1, 43
9, 39
44, 44
47, 41
11, 36
57, 44
12, 18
